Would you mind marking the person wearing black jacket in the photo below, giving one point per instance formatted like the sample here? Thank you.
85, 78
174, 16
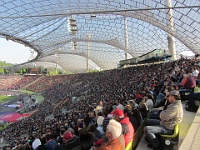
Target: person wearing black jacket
155, 112
69, 142
190, 104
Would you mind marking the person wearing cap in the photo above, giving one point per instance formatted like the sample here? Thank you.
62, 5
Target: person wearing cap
97, 128
36, 145
104, 138
69, 142
100, 124
168, 119
127, 127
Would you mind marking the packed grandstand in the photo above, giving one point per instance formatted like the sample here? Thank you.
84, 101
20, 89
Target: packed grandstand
76, 102
99, 71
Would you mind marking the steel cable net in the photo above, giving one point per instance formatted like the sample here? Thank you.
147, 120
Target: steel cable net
103, 28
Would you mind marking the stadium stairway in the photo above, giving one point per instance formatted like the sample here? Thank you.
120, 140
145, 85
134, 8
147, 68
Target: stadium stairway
32, 82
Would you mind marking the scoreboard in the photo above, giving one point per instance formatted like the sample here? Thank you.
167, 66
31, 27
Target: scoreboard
34, 70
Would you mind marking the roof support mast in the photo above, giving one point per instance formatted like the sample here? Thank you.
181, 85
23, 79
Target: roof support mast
88, 52
170, 24
126, 36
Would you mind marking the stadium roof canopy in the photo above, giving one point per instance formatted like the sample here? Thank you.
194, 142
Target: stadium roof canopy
101, 31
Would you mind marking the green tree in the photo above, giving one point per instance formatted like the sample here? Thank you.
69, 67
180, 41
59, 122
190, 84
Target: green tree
60, 72
21, 71
3, 63
93, 71
44, 71
24, 70
1, 70
6, 71
52, 72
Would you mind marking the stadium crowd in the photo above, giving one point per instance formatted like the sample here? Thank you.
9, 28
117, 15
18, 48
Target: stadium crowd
6, 81
99, 110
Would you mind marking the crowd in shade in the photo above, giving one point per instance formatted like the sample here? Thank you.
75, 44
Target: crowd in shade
99, 110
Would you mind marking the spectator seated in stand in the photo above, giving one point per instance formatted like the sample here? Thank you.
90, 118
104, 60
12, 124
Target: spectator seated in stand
87, 139
37, 145
190, 83
60, 137
104, 138
127, 127
183, 81
146, 105
195, 72
188, 86
190, 104
119, 105
155, 112
100, 125
123, 85
132, 117
99, 107
70, 141
50, 142
168, 120
114, 136
161, 94
98, 130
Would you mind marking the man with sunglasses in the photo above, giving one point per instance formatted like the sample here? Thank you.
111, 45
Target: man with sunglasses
168, 119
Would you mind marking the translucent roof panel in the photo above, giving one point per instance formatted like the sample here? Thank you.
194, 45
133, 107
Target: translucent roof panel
104, 29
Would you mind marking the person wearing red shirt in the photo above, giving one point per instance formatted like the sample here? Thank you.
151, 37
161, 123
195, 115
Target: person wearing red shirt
127, 127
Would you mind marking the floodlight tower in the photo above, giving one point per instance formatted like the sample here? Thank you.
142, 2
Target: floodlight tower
72, 26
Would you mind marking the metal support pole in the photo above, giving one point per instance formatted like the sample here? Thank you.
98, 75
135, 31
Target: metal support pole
57, 59
56, 68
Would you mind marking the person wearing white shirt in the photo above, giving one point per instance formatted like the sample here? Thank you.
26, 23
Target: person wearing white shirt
195, 73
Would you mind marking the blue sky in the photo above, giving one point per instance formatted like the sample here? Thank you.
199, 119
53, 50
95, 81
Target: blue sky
13, 52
